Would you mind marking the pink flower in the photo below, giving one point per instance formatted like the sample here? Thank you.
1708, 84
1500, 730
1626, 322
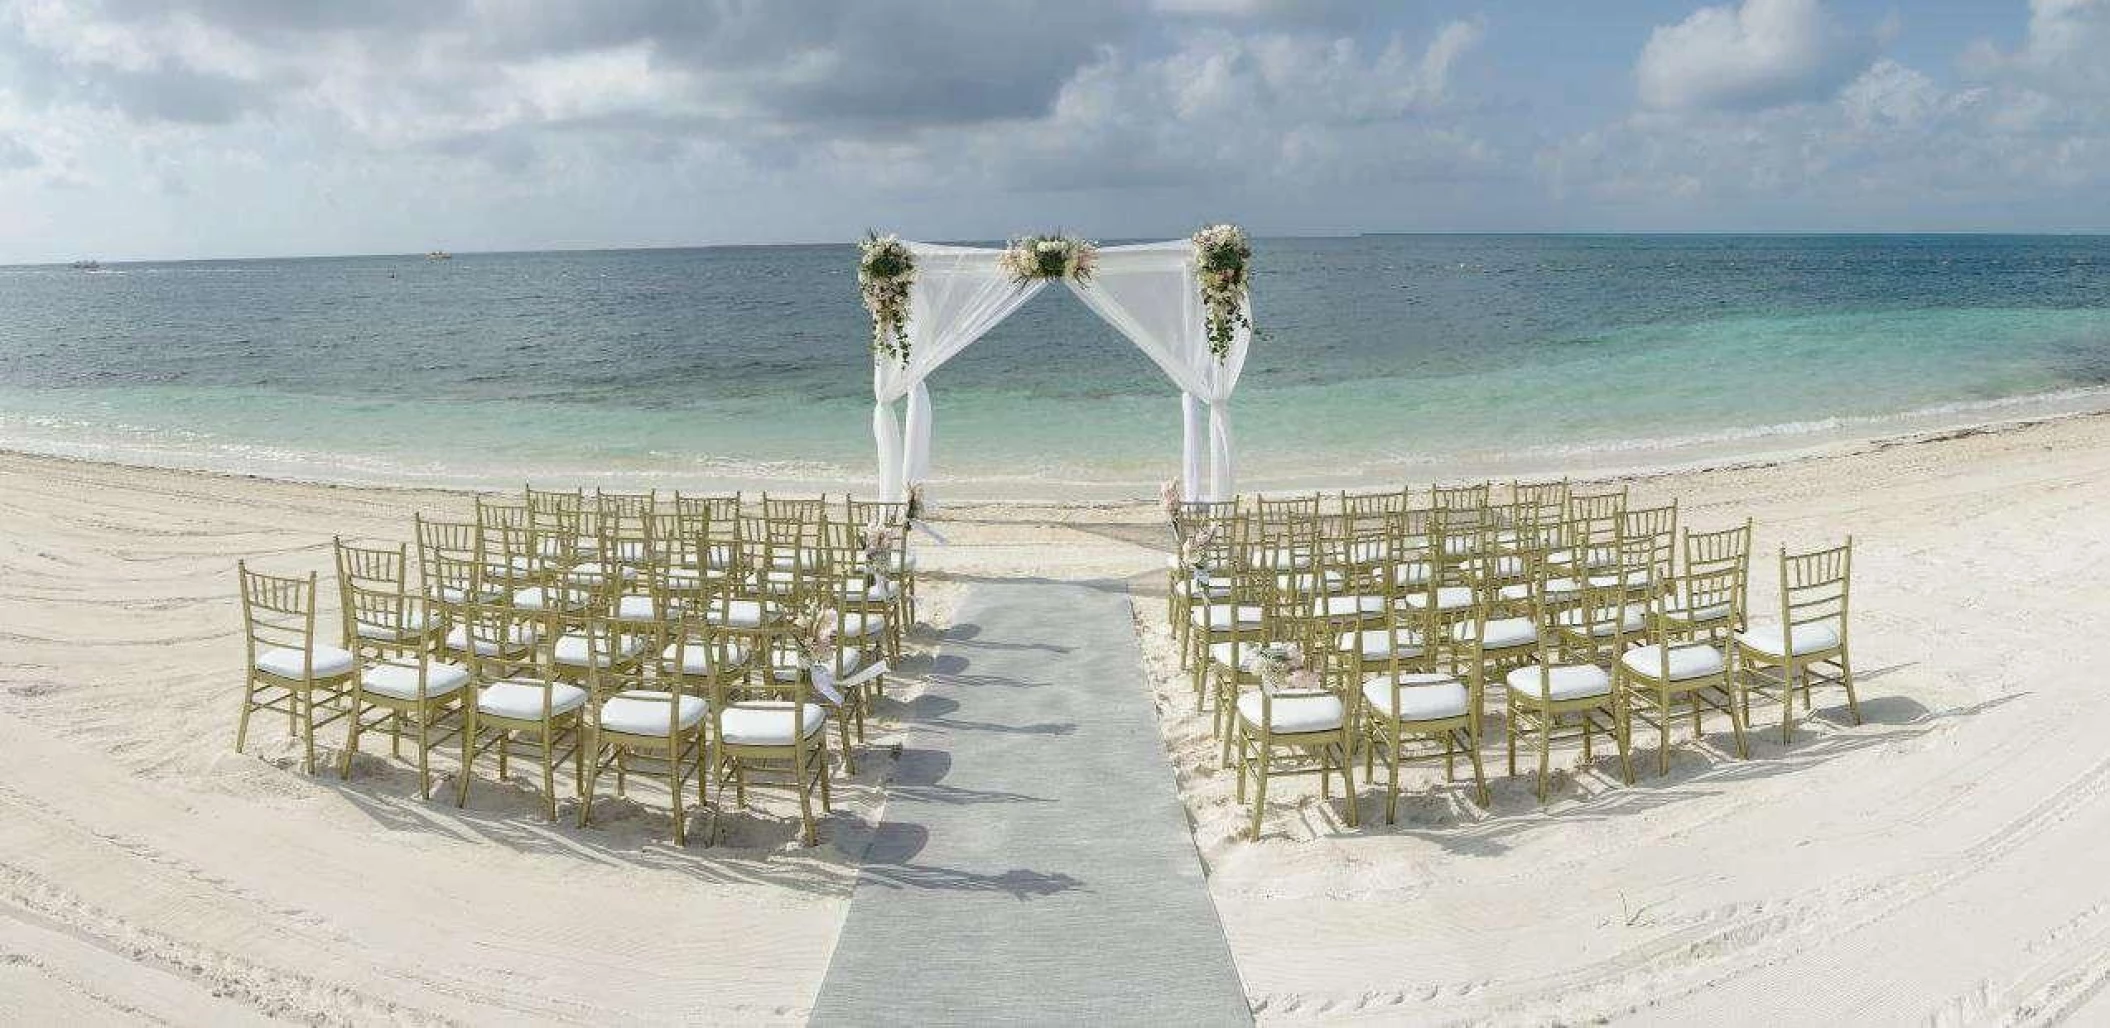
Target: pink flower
1169, 495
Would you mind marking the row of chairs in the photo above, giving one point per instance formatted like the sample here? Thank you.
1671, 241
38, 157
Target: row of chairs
706, 639
1590, 614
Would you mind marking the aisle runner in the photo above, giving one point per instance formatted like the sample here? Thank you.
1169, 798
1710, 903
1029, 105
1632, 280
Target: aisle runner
1034, 865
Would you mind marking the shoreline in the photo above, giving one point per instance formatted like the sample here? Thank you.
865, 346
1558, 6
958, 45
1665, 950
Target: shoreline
977, 494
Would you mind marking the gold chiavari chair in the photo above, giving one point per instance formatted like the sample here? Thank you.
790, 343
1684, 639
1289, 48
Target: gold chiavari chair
715, 519
1808, 643
382, 616
1282, 728
450, 559
895, 571
769, 725
1407, 697
416, 686
290, 668
1589, 533
1664, 677
642, 720
1236, 626
1502, 628
1560, 684
1545, 500
1659, 526
1473, 496
1203, 535
1708, 601
494, 512
1377, 504
521, 705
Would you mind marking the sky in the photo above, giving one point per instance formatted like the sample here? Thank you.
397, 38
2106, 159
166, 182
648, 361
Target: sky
139, 129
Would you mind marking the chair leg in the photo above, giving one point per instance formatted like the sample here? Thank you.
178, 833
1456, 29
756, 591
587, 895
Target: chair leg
1509, 732
1479, 775
1355, 817
1736, 724
681, 827
307, 732
588, 785
351, 746
549, 773
1663, 716
1260, 787
241, 725
1545, 749
469, 733
1787, 703
424, 753
1846, 678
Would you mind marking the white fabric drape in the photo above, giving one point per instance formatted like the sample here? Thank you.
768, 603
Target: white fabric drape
959, 294
1150, 294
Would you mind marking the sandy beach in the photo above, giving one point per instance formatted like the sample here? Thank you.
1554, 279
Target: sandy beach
1933, 865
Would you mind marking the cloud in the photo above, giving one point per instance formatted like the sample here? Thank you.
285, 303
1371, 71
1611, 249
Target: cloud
1757, 54
1274, 107
2066, 49
15, 155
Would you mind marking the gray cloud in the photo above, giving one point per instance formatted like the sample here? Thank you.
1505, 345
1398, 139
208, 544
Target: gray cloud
15, 155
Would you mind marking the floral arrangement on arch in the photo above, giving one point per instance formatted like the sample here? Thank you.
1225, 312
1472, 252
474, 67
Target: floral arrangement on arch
1223, 260
885, 270
1054, 256
1282, 666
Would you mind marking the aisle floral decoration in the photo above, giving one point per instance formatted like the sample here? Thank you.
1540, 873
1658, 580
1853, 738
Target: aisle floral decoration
1169, 498
1055, 256
878, 553
1282, 666
1222, 260
885, 270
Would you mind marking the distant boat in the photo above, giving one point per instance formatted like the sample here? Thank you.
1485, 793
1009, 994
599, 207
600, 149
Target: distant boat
439, 255
87, 266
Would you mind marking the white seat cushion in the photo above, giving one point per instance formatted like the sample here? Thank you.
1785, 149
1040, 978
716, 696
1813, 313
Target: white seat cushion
644, 712
785, 667
1413, 572
1501, 633
1497, 567
696, 657
878, 592
572, 650
768, 722
1218, 616
519, 639
592, 573
735, 614
1448, 597
1596, 556
537, 598
457, 594
1567, 682
1767, 639
1685, 615
1694, 661
1295, 713
1346, 606
636, 607
289, 663
1608, 621
1557, 587
1380, 643
1216, 587
1422, 697
399, 679
857, 624
416, 622
521, 699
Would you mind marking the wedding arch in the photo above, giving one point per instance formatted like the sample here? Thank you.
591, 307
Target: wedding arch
1184, 303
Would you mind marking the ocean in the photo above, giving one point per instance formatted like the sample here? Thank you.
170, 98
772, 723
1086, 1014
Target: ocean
1382, 359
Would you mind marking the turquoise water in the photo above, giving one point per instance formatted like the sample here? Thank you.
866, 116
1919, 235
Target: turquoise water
1384, 357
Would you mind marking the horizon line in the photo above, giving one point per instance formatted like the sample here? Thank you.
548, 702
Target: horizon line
1380, 233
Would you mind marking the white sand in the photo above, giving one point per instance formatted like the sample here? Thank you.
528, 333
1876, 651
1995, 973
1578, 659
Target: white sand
1936, 864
